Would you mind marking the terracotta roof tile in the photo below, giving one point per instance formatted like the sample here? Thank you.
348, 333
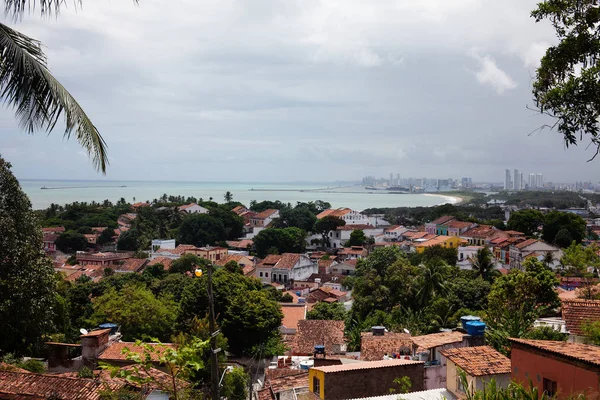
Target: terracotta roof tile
479, 361
334, 212
165, 261
583, 352
576, 312
36, 386
115, 351
526, 243
373, 348
437, 339
292, 315
355, 227
240, 244
132, 265
481, 231
265, 214
454, 224
443, 220
54, 229
354, 250
316, 332
366, 365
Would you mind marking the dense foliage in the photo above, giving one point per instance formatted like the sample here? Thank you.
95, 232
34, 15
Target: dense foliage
279, 241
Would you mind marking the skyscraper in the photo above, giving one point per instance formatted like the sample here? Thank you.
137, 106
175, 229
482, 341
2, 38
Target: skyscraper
521, 181
516, 180
539, 181
507, 180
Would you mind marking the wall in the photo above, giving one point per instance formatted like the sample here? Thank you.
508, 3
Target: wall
369, 382
570, 376
502, 380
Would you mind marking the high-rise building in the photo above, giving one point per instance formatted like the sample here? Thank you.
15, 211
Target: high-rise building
516, 180
521, 181
532, 181
539, 181
507, 180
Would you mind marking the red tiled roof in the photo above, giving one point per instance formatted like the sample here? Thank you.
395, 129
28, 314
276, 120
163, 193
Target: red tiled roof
437, 339
514, 233
36, 386
292, 314
270, 261
577, 312
240, 244
158, 379
115, 351
454, 224
414, 235
479, 361
165, 261
291, 378
481, 231
352, 251
337, 212
443, 220
356, 227
526, 243
373, 348
284, 261
366, 365
9, 367
54, 229
265, 214
317, 332
583, 352
132, 265
50, 237
325, 263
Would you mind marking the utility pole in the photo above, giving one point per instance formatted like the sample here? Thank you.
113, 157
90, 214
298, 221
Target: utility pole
214, 366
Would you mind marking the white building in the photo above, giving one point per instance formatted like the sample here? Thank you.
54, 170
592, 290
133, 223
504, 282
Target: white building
193, 208
286, 267
466, 254
507, 181
394, 234
351, 217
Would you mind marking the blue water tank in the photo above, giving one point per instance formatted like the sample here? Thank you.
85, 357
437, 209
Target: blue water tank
467, 318
113, 327
298, 293
476, 328
301, 300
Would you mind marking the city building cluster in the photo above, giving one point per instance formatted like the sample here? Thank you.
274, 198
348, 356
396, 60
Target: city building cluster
515, 180
416, 184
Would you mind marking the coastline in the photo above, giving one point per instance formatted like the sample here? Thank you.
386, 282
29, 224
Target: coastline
454, 200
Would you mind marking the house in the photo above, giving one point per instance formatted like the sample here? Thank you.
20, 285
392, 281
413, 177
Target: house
325, 265
394, 233
210, 253
263, 219
91, 238
378, 343
339, 237
447, 242
437, 227
49, 239
370, 378
345, 268
519, 251
349, 216
558, 368
457, 228
240, 245
480, 364
239, 210
172, 253
54, 229
327, 294
576, 313
193, 208
283, 384
102, 259
352, 253
428, 348
433, 394
132, 265
21, 385
246, 262
292, 315
135, 206
125, 220
164, 261
113, 353
311, 333
285, 268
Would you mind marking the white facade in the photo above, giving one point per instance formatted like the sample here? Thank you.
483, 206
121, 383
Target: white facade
194, 209
355, 218
301, 271
465, 254
517, 255
395, 235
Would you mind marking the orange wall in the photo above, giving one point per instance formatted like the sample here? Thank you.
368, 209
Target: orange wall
570, 379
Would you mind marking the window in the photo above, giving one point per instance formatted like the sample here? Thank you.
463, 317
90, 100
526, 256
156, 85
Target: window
316, 385
266, 274
260, 274
459, 384
550, 387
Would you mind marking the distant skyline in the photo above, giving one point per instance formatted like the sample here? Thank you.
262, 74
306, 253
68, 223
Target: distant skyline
317, 91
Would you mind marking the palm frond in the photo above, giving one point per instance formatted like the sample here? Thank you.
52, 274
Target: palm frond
39, 99
17, 8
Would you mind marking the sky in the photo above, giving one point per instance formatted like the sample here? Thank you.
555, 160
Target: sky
297, 90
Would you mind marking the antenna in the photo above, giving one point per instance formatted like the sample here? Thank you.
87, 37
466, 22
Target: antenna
83, 331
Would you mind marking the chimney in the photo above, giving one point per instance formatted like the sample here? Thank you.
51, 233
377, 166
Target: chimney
92, 344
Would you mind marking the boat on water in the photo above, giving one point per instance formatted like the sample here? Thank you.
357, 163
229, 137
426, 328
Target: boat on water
44, 187
398, 189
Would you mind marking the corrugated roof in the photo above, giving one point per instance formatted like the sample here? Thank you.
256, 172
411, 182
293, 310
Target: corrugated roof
578, 351
433, 394
366, 365
479, 360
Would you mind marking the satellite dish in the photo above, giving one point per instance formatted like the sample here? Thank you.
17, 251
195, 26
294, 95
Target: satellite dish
406, 331
83, 331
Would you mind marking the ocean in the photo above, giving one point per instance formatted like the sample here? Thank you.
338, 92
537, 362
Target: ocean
355, 197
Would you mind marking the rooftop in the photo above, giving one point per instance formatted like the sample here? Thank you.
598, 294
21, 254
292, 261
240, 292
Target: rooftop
442, 220
576, 312
165, 261
481, 231
317, 332
337, 212
479, 361
587, 353
292, 314
526, 243
132, 265
354, 227
437, 339
265, 214
454, 224
366, 365
284, 261
115, 351
433, 394
373, 348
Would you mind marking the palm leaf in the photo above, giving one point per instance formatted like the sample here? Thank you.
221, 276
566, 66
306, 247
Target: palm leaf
19, 7
38, 98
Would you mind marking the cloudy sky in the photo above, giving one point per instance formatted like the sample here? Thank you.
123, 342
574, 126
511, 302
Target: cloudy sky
285, 90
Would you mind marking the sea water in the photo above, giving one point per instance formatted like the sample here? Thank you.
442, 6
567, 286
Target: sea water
339, 195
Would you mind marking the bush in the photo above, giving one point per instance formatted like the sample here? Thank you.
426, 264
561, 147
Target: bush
287, 298
34, 366
85, 372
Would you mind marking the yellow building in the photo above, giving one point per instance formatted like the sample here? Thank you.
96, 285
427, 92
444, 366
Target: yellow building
447, 242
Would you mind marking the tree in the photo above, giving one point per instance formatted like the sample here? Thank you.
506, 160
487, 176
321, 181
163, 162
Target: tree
38, 97
201, 230
432, 281
439, 254
252, 319
286, 240
567, 85
137, 311
526, 221
483, 263
287, 298
232, 223
357, 238
591, 329
326, 225
106, 236
27, 279
299, 217
235, 384
556, 221
545, 333
575, 262
228, 197
71, 241
327, 311
187, 263
129, 240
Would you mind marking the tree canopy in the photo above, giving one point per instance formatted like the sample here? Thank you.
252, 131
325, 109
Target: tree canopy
526, 221
561, 228
201, 230
275, 240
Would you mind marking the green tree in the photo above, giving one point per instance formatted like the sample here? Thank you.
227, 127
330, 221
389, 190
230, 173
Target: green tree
545, 333
286, 240
187, 263
201, 230
140, 314
129, 240
483, 264
235, 384
70, 242
232, 223
287, 298
27, 280
299, 217
567, 84
39, 98
326, 225
526, 221
575, 262
591, 329
439, 254
432, 281
106, 236
555, 221
357, 238
228, 197
252, 318
327, 311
